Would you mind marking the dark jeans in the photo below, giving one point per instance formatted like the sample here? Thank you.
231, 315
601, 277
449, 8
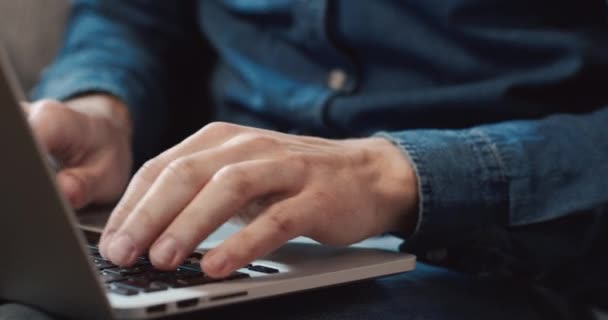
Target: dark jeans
426, 293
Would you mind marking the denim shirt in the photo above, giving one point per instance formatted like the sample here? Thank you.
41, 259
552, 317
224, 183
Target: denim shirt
499, 104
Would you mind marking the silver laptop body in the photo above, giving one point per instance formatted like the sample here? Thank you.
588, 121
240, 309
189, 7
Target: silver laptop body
46, 263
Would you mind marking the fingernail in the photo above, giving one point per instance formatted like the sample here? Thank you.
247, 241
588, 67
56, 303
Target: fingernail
121, 249
216, 263
104, 241
165, 251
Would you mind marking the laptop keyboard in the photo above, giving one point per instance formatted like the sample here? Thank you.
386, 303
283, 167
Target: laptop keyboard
142, 277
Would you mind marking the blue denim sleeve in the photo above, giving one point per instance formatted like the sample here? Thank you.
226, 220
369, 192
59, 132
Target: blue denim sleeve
487, 186
119, 47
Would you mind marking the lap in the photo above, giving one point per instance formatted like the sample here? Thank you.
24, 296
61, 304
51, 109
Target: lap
426, 293
12, 311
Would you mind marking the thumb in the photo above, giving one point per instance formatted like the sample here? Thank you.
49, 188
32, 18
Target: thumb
76, 185
57, 128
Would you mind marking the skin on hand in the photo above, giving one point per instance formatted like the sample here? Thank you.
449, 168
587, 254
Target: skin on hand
337, 192
89, 137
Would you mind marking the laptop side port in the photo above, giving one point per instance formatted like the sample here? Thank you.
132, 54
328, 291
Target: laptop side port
157, 308
228, 296
187, 303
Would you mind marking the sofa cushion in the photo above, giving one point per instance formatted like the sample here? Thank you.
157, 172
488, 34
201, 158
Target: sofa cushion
30, 30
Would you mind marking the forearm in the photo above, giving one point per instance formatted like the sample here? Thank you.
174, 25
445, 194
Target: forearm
106, 107
486, 189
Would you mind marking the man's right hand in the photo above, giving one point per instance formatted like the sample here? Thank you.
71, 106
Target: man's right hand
90, 138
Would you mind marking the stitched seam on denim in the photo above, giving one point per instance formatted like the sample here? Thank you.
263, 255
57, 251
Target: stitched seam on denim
424, 188
494, 151
493, 181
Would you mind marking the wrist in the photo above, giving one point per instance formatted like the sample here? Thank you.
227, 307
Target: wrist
104, 107
399, 186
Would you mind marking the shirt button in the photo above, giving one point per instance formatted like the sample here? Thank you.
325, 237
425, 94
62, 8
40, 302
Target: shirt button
336, 79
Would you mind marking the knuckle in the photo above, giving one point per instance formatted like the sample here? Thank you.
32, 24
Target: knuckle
283, 224
184, 169
298, 163
234, 179
143, 219
79, 193
255, 140
150, 169
218, 127
123, 209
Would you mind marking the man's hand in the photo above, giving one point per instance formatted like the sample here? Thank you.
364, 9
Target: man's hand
89, 137
334, 191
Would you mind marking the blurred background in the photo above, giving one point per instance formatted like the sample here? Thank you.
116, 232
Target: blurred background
30, 31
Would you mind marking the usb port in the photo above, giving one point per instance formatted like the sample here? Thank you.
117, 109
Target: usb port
229, 295
187, 303
157, 308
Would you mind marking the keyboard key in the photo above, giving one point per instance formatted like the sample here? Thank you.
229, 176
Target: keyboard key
263, 269
122, 290
142, 277
143, 285
166, 276
102, 264
183, 273
127, 271
139, 263
191, 266
193, 258
196, 255
110, 277
93, 249
192, 281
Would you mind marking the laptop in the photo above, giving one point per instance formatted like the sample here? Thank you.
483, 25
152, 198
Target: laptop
49, 261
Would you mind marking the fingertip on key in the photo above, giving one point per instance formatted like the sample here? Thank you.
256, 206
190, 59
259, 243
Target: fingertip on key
216, 264
104, 240
122, 250
165, 254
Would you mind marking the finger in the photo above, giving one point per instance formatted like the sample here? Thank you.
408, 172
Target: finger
211, 135
157, 203
280, 223
76, 185
55, 126
171, 192
230, 190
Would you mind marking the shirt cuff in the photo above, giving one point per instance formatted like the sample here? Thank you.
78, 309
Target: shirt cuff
65, 85
463, 187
